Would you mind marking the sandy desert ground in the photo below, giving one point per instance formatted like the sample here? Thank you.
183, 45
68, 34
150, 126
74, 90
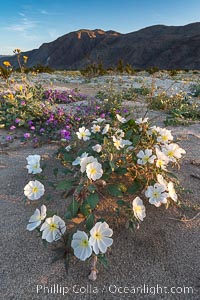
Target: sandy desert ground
164, 252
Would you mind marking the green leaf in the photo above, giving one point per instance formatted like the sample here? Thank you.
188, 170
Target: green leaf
92, 200
121, 171
114, 190
72, 209
79, 188
90, 222
102, 259
105, 177
129, 134
68, 157
101, 220
121, 202
135, 139
64, 185
91, 188
85, 209
134, 187
67, 171
112, 165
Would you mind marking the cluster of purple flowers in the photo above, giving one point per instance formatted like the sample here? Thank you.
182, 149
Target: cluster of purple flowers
60, 123
68, 96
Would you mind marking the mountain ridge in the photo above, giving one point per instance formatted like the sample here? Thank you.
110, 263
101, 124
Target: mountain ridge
165, 47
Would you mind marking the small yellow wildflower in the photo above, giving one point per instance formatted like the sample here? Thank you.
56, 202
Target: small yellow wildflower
25, 58
7, 63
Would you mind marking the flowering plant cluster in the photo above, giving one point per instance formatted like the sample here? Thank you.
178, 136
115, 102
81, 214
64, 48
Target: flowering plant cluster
113, 162
68, 96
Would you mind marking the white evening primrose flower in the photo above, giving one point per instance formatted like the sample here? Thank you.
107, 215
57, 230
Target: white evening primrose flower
53, 228
162, 159
126, 142
81, 246
34, 190
153, 130
85, 161
140, 121
162, 181
94, 170
97, 148
118, 143
106, 128
173, 151
119, 133
139, 208
99, 120
169, 187
33, 164
145, 157
100, 238
77, 161
37, 218
68, 148
156, 194
95, 128
164, 135
121, 119
83, 133
172, 192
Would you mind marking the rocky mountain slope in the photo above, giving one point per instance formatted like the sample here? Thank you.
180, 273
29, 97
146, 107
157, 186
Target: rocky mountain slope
165, 47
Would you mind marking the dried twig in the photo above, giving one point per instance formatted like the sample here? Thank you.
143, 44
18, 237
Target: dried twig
195, 176
187, 220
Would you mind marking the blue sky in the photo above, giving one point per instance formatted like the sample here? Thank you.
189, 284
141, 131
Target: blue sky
28, 24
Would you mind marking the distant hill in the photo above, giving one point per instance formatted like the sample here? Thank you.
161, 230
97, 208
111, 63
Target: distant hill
165, 47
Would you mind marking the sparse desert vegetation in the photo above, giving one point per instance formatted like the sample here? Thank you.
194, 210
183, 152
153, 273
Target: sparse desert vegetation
102, 167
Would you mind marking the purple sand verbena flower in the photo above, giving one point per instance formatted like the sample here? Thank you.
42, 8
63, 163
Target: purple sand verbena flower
27, 135
17, 120
8, 138
30, 122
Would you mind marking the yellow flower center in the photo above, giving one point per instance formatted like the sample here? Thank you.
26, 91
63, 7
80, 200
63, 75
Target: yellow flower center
156, 194
35, 189
138, 209
53, 227
160, 162
84, 243
83, 134
117, 143
93, 171
146, 158
98, 235
164, 138
35, 166
170, 153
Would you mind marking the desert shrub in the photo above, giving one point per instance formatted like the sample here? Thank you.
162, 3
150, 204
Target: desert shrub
173, 72
5, 72
23, 104
195, 90
152, 70
178, 105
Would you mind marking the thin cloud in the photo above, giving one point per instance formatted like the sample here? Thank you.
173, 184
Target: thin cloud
21, 14
53, 33
23, 25
43, 12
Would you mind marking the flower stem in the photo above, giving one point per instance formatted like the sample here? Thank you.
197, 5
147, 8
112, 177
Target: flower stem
94, 271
